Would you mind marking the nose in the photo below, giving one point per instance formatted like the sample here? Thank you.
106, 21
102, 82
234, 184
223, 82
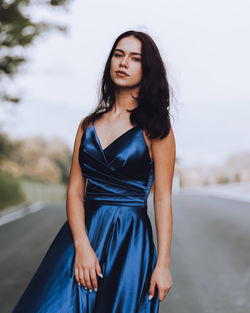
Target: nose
124, 61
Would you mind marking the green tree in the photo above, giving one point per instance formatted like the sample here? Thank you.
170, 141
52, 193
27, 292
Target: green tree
18, 30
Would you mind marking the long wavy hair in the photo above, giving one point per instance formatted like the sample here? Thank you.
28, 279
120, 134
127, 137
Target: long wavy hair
153, 110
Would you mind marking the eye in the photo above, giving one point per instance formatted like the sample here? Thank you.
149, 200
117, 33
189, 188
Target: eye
117, 55
137, 59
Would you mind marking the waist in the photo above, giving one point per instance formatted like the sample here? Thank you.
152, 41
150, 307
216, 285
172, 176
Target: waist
93, 205
120, 200
116, 194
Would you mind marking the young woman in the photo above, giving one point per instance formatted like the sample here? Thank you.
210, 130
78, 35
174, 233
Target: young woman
103, 260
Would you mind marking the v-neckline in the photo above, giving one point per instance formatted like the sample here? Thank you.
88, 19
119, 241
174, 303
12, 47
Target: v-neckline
115, 140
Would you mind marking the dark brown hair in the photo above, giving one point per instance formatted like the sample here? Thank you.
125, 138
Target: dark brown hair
152, 112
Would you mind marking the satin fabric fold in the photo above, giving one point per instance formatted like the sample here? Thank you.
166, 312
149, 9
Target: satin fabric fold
119, 179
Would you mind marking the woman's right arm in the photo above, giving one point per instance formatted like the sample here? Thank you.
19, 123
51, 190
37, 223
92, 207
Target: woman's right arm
86, 262
75, 194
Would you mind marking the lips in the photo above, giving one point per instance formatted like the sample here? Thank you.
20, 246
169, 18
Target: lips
121, 72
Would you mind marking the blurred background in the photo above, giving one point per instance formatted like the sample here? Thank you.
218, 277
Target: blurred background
52, 56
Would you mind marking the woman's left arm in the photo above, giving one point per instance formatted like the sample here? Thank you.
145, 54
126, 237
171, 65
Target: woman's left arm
164, 155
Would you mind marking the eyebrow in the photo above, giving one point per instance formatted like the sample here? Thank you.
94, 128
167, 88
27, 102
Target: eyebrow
130, 52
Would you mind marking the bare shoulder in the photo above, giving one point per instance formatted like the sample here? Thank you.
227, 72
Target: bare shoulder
82, 126
164, 155
165, 145
76, 180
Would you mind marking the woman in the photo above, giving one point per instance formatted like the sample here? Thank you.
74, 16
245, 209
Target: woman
106, 244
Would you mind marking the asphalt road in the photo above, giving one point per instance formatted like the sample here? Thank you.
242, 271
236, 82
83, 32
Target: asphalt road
210, 254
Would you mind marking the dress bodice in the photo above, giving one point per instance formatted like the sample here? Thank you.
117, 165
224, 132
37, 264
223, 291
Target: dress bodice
119, 230
123, 172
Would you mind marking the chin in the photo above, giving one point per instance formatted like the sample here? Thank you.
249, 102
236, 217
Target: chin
121, 85
125, 84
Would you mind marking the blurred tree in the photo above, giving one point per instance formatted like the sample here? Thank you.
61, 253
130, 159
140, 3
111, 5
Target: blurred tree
6, 147
18, 30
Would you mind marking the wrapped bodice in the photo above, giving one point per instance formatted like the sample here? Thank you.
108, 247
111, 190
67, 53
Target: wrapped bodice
122, 173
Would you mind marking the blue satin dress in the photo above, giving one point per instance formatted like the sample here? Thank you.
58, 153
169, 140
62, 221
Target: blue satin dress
119, 179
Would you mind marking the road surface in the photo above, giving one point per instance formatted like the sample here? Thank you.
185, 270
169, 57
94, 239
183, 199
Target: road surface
210, 254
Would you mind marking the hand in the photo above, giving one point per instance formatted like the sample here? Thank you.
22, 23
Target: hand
161, 277
86, 267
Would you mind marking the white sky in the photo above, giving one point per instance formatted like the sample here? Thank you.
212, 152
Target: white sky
204, 44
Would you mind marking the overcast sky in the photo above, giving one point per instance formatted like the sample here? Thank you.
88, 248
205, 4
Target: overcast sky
204, 44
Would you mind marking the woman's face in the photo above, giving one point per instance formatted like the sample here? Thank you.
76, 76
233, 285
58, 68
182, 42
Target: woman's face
127, 58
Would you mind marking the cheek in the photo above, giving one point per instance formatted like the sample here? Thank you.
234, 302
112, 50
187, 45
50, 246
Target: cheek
114, 62
137, 70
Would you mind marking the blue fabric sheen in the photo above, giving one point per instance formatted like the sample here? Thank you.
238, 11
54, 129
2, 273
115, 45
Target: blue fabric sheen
119, 179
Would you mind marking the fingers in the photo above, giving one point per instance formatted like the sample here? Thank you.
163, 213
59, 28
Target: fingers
93, 278
77, 275
98, 269
86, 276
151, 289
81, 277
87, 279
162, 290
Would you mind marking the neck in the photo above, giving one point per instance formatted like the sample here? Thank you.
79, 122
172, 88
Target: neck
124, 100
